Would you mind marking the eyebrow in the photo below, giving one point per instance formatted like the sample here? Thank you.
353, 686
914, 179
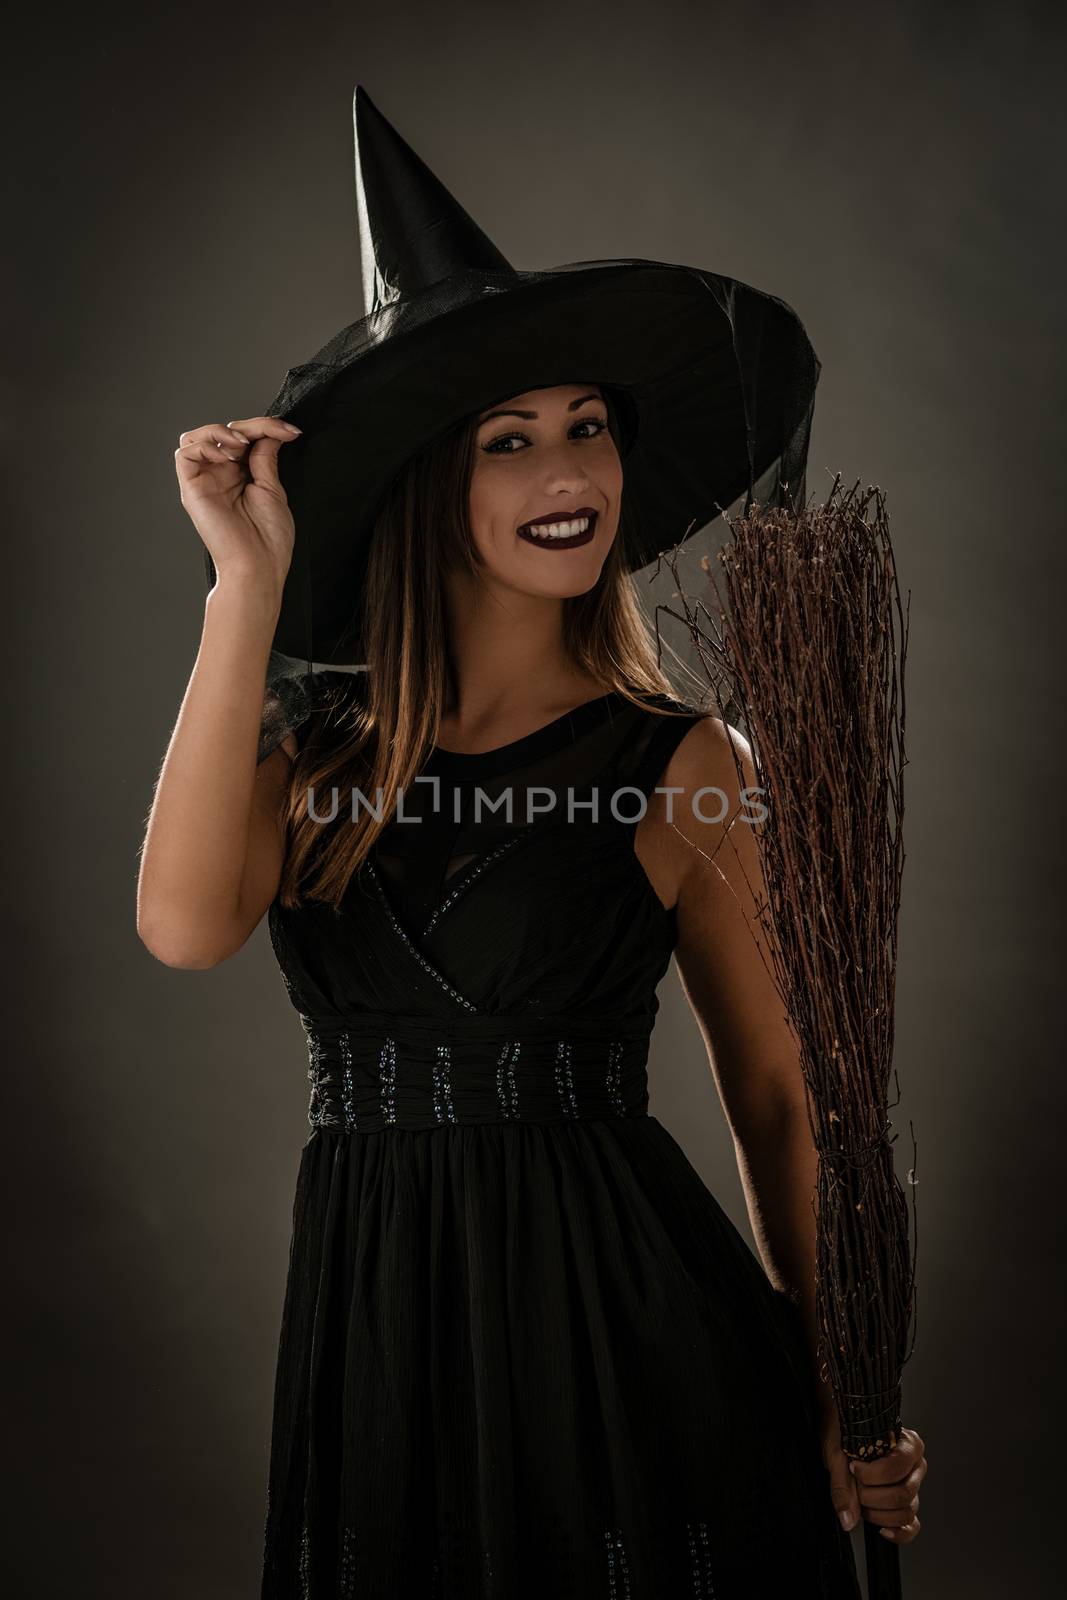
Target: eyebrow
530, 416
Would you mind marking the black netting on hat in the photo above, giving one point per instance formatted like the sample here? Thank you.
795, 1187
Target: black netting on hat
288, 701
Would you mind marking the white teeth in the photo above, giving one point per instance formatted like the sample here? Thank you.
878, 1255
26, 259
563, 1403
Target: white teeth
558, 530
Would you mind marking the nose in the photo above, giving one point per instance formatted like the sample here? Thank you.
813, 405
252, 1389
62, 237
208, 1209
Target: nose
565, 472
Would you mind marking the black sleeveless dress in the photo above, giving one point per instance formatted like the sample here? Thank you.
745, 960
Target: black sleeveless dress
523, 1350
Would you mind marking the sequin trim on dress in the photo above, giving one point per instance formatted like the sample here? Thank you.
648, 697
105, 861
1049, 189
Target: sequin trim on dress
700, 1556
565, 1078
411, 946
387, 1075
346, 1575
454, 1556
348, 1094
614, 1079
370, 1075
469, 877
442, 1084
618, 1569
506, 1088
305, 1563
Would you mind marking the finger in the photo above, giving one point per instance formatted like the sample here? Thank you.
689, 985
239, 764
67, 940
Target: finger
205, 451
214, 433
891, 1517
901, 1535
893, 1466
266, 428
843, 1490
892, 1494
211, 444
263, 463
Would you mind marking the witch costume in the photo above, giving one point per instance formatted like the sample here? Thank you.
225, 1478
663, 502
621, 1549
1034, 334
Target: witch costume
523, 1350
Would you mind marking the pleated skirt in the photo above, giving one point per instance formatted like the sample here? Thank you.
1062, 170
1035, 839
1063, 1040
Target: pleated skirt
537, 1359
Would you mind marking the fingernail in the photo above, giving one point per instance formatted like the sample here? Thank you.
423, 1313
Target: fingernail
887, 1533
848, 1517
293, 427
239, 435
852, 1468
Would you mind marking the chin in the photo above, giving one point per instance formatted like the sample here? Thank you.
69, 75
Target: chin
572, 589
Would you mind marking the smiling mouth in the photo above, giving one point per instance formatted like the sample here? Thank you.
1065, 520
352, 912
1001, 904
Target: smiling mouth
560, 533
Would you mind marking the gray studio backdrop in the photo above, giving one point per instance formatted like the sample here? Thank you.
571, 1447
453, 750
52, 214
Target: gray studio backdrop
187, 230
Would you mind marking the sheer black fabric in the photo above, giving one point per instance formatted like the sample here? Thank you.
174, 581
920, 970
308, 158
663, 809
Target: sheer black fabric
287, 701
523, 1350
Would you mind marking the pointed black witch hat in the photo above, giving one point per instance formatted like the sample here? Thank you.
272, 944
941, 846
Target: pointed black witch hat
712, 382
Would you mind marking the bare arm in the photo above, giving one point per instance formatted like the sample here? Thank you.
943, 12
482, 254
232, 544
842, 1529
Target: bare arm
212, 854
755, 1058
213, 849
752, 1049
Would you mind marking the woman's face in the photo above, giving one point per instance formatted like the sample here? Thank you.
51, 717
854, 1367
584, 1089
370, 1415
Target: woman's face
546, 456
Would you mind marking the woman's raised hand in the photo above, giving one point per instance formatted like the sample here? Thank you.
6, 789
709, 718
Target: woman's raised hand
230, 488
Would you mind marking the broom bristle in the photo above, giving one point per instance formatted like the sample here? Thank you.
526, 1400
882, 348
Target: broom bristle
806, 650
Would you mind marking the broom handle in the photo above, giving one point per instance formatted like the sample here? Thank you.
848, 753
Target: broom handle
883, 1565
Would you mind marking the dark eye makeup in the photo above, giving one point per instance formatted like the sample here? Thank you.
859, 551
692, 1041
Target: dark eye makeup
599, 422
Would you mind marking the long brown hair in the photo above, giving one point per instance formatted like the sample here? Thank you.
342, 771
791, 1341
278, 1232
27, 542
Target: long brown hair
378, 738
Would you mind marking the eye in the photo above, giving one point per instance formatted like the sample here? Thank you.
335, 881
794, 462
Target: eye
599, 423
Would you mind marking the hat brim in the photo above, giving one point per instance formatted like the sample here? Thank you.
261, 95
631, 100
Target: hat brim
720, 379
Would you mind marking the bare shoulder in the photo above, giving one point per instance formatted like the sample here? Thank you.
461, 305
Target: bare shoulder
698, 789
711, 754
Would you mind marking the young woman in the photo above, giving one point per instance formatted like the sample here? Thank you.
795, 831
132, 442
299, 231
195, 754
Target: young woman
523, 1351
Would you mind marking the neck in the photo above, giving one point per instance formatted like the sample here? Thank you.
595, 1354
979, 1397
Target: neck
510, 663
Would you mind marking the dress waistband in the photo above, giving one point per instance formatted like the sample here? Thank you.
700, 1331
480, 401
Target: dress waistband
376, 1070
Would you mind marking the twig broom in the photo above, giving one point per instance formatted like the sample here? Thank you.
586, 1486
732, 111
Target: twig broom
810, 643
